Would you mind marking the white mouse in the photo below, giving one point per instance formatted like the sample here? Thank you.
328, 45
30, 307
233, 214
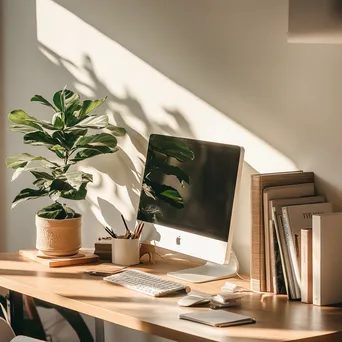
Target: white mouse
192, 300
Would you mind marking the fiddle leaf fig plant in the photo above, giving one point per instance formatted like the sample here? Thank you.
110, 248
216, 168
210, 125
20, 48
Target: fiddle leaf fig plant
73, 133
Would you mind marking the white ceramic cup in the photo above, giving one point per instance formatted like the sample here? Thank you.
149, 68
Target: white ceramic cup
125, 252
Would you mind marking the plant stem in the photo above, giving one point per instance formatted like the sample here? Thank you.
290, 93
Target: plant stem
66, 158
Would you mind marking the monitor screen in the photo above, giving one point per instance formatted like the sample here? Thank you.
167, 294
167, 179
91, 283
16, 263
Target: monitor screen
190, 184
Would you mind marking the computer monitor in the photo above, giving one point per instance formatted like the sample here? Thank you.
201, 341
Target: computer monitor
187, 202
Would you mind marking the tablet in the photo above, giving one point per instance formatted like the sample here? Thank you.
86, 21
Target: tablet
217, 318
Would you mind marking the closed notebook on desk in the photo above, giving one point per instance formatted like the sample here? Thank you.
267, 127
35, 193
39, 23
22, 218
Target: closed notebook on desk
217, 318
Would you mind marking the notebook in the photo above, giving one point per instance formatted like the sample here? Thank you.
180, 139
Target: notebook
217, 318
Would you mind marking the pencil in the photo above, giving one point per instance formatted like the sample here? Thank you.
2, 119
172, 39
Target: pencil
124, 221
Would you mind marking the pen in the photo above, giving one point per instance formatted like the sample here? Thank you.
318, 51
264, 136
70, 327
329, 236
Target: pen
128, 233
110, 232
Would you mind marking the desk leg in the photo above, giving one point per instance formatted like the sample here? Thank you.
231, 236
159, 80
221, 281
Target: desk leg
99, 330
16, 312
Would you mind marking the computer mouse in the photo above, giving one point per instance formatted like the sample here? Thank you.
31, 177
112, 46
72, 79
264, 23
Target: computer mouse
192, 300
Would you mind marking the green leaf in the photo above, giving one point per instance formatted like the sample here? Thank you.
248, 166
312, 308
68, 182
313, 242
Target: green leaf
72, 105
57, 211
88, 153
68, 138
59, 150
77, 178
89, 105
102, 139
115, 130
95, 122
57, 121
171, 147
71, 213
54, 195
43, 180
22, 128
71, 99
39, 138
42, 175
19, 117
27, 194
42, 184
75, 195
47, 125
72, 114
58, 100
20, 170
174, 171
168, 194
43, 101
23, 159
60, 185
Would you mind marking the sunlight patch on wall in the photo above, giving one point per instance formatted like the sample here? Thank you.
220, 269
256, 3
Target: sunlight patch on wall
118, 70
141, 99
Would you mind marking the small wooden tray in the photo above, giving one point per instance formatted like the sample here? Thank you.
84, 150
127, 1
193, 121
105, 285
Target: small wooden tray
83, 258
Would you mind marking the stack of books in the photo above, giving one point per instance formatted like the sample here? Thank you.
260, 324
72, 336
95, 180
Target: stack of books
103, 248
282, 206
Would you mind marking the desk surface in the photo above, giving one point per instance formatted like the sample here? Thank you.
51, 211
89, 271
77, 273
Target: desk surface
277, 319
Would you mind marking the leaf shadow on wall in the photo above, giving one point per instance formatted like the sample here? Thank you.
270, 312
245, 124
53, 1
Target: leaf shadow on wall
122, 170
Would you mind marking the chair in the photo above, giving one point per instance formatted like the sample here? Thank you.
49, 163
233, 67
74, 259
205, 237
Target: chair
7, 334
32, 325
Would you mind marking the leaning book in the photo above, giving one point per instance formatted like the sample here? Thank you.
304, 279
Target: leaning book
295, 218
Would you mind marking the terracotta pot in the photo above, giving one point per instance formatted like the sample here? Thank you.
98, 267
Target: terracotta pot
58, 237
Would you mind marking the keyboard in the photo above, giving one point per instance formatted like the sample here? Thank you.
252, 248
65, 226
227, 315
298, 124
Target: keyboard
146, 283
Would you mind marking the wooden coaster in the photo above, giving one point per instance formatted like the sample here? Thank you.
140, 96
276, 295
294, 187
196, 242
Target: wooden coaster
83, 257
40, 254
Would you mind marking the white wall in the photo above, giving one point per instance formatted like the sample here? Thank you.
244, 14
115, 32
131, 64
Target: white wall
218, 70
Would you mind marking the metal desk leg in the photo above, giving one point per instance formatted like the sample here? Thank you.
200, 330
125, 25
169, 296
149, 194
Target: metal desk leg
99, 330
16, 312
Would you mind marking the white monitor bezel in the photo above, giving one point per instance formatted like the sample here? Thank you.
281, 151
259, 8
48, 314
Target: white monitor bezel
191, 244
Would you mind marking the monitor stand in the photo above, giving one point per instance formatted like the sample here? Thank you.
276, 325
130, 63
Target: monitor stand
208, 272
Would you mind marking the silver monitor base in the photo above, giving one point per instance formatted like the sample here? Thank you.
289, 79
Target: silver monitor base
208, 272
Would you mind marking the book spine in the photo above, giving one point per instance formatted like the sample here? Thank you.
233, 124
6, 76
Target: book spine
282, 268
316, 260
267, 248
306, 265
258, 276
273, 272
291, 253
287, 265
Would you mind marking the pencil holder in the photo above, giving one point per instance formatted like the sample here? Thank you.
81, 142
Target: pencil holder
125, 252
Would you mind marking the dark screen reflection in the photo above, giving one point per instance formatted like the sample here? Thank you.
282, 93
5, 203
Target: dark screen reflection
208, 199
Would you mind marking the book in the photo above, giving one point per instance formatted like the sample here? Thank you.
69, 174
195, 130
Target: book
279, 282
306, 266
284, 265
258, 183
295, 218
326, 256
103, 249
217, 318
284, 191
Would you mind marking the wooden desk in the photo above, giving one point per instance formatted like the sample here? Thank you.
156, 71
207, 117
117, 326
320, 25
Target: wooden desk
277, 319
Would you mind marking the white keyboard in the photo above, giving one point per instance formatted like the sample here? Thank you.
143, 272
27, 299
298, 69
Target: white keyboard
146, 283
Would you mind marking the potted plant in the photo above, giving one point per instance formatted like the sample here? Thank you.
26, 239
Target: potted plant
70, 136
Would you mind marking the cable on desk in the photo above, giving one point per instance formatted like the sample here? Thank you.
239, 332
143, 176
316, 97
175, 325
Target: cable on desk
242, 278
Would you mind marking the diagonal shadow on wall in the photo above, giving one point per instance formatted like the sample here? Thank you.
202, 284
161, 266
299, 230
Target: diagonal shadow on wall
121, 169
